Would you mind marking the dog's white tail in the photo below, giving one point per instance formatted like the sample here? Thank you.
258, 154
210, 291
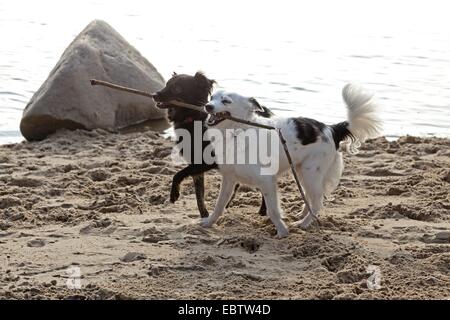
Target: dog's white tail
363, 120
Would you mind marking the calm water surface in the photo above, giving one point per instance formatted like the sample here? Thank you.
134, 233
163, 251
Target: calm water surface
293, 56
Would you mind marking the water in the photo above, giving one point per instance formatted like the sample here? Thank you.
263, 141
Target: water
293, 56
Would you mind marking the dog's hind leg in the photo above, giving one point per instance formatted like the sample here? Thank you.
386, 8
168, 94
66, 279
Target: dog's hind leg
269, 191
312, 179
226, 191
176, 181
199, 184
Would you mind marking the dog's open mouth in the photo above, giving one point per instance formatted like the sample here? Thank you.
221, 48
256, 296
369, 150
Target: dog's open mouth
216, 118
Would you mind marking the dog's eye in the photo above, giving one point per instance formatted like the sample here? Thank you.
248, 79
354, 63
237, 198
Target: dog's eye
225, 101
176, 89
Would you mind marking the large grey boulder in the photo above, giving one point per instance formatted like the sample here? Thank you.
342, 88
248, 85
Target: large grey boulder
67, 99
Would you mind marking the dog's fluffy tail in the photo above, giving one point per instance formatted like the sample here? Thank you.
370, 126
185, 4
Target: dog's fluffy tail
363, 122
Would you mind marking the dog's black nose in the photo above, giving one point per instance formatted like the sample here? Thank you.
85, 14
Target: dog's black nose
209, 108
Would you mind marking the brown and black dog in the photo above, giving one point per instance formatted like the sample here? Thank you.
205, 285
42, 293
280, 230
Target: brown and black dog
193, 90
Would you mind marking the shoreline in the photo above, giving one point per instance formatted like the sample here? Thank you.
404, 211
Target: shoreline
99, 202
143, 127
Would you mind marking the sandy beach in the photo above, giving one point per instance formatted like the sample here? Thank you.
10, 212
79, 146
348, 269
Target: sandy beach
97, 203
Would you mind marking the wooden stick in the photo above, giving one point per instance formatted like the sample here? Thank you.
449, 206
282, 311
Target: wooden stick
95, 82
200, 109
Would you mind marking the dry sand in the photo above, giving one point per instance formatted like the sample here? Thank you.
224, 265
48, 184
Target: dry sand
99, 202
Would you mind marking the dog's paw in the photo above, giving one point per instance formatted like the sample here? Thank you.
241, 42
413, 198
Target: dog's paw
206, 222
305, 223
282, 232
204, 213
174, 195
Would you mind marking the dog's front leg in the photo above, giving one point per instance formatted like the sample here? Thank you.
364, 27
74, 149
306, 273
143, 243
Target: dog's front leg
226, 191
199, 184
176, 181
190, 170
262, 209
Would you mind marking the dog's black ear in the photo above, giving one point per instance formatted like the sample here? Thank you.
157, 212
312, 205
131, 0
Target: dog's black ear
256, 105
174, 74
203, 81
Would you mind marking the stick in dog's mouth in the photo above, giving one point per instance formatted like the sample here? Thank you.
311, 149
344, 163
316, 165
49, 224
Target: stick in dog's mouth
162, 105
216, 118
176, 104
